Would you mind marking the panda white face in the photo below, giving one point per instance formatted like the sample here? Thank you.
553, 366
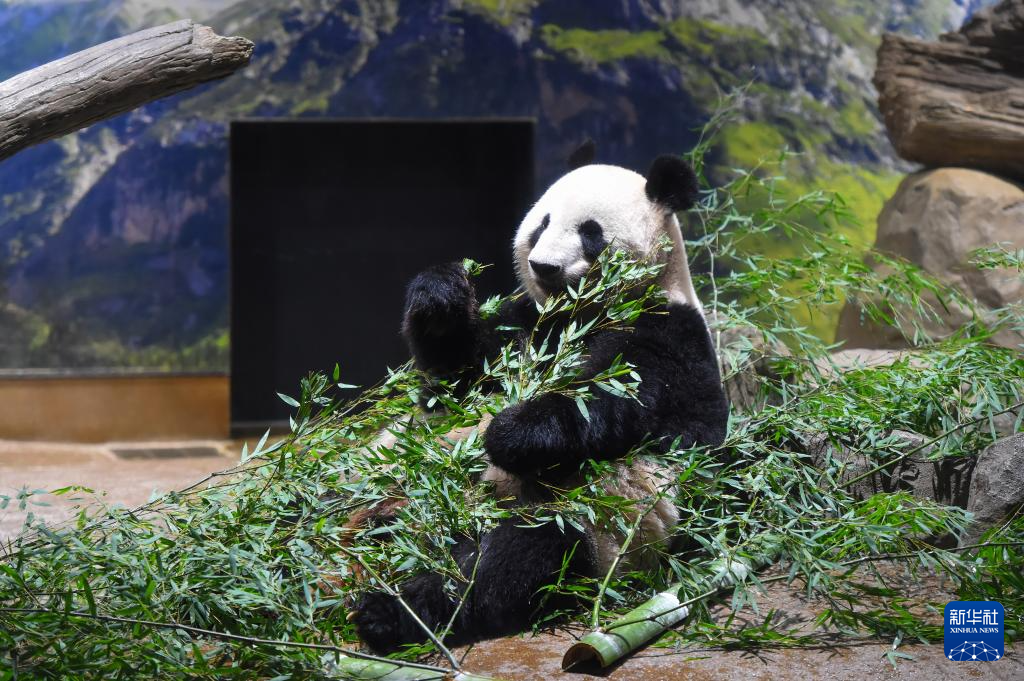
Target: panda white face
576, 218
596, 206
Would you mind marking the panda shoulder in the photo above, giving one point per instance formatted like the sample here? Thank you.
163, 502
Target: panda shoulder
685, 323
686, 316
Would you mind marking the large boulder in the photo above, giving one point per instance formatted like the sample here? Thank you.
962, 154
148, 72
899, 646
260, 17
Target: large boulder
958, 101
990, 485
997, 487
946, 480
935, 220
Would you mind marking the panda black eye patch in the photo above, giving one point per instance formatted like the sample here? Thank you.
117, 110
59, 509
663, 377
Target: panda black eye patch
535, 236
592, 239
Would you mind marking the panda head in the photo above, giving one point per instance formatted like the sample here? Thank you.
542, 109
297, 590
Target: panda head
596, 206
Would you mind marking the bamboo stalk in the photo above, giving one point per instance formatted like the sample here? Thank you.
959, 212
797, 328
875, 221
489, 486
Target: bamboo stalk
630, 632
653, 618
346, 667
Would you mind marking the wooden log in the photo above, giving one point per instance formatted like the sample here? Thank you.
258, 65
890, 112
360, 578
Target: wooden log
116, 76
958, 101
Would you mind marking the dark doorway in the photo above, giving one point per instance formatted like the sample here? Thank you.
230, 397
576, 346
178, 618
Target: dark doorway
331, 219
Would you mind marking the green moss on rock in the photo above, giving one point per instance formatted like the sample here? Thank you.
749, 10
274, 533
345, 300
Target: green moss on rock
747, 144
501, 12
727, 44
604, 46
855, 120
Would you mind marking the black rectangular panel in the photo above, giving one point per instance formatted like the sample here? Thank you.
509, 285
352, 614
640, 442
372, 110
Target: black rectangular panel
329, 222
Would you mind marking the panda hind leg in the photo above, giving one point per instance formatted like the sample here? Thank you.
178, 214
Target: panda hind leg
516, 563
506, 596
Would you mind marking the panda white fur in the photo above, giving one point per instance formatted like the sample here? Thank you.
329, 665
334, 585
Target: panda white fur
543, 441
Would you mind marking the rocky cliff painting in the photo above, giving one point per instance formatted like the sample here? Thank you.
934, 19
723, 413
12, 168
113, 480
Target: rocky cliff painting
113, 240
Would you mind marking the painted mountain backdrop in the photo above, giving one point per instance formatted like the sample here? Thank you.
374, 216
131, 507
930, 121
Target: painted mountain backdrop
113, 240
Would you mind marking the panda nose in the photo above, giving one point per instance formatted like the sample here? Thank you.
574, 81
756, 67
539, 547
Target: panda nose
545, 270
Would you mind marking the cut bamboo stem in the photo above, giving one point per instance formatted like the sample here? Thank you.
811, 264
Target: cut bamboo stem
628, 633
353, 668
638, 627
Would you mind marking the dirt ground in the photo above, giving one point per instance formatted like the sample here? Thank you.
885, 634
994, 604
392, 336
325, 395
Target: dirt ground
536, 658
131, 481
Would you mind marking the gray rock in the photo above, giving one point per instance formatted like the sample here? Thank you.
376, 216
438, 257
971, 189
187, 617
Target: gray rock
746, 359
935, 220
989, 485
997, 489
1008, 423
945, 481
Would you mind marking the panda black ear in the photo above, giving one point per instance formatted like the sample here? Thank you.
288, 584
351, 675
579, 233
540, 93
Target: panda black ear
672, 183
583, 156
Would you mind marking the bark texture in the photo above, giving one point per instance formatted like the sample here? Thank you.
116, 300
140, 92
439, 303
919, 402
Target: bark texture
116, 76
958, 101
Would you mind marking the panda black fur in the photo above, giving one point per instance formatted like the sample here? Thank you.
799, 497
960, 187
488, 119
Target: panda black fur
545, 439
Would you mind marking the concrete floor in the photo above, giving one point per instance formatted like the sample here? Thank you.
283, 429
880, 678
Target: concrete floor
131, 482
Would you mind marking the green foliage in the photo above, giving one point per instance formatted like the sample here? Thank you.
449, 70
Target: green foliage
33, 343
856, 121
809, 181
748, 144
250, 573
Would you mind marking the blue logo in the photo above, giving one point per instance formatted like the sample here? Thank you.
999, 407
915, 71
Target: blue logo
974, 631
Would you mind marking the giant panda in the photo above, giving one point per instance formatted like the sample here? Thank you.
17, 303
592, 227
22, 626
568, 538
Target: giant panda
543, 441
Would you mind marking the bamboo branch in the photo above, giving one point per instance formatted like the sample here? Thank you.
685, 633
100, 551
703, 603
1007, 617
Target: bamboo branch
108, 79
350, 663
224, 636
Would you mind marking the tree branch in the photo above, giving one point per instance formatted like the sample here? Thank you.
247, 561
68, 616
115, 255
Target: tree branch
958, 101
116, 76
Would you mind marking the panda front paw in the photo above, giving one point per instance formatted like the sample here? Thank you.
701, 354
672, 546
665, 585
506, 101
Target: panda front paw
384, 624
441, 321
378, 619
438, 301
532, 436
